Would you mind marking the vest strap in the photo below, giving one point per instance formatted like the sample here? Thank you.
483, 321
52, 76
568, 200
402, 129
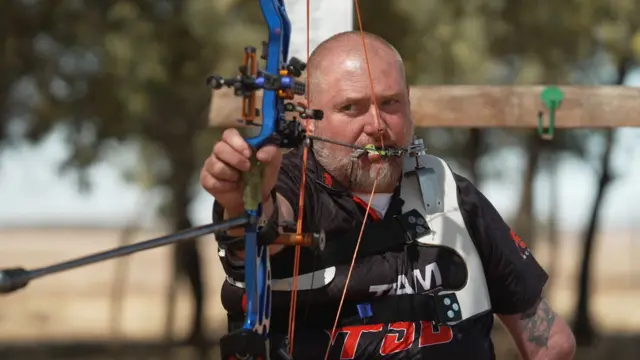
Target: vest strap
440, 309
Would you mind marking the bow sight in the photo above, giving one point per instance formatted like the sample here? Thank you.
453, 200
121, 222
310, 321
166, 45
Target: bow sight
288, 134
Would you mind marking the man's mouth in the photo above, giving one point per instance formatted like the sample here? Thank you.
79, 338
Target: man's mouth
375, 153
374, 157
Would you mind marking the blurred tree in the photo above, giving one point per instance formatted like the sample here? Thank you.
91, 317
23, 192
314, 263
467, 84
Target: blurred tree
124, 73
583, 327
550, 39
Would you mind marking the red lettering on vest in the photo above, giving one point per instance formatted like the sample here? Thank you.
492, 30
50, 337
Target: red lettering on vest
353, 337
434, 335
517, 240
391, 344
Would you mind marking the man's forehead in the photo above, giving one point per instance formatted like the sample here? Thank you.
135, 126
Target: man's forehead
354, 63
341, 65
355, 50
355, 86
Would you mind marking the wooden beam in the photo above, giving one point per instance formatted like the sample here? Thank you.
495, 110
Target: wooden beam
468, 106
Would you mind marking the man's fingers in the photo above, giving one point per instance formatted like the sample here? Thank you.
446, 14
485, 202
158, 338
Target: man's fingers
269, 154
226, 153
236, 142
216, 185
221, 170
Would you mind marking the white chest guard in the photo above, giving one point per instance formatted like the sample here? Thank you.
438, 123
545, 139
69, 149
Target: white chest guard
430, 188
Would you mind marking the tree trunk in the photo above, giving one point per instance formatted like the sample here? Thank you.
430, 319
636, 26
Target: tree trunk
552, 221
582, 325
185, 255
525, 222
473, 154
583, 329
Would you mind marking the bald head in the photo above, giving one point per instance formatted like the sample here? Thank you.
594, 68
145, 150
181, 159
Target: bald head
351, 41
345, 50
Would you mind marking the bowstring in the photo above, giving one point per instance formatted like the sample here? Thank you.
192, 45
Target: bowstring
332, 334
305, 155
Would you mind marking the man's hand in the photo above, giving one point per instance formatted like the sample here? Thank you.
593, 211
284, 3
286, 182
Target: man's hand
540, 333
221, 174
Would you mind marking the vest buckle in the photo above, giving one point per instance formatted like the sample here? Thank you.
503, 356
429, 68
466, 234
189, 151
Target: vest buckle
414, 225
447, 308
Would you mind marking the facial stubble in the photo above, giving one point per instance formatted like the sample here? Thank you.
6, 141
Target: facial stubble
355, 174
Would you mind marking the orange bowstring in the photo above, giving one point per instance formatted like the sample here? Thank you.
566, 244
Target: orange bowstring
296, 263
296, 259
375, 182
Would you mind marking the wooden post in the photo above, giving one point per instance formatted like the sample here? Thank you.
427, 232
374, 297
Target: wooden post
467, 106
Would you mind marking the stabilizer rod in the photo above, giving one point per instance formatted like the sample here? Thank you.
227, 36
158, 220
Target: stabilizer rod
17, 278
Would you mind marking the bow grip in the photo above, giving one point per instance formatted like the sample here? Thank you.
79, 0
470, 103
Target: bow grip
252, 179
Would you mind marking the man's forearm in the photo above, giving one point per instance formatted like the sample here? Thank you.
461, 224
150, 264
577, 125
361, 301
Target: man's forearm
541, 334
545, 335
285, 213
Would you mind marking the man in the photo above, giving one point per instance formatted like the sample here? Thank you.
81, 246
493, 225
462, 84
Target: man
336, 193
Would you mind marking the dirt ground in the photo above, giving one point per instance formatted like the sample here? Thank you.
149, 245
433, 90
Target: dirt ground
77, 309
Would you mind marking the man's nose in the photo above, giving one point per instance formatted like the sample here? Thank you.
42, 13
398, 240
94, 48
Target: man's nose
375, 125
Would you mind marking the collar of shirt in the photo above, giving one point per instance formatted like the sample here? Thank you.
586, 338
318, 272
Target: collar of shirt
379, 203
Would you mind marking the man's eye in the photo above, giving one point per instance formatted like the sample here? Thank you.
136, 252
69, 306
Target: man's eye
389, 102
345, 108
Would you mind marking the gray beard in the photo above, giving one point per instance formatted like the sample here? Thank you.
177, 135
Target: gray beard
348, 171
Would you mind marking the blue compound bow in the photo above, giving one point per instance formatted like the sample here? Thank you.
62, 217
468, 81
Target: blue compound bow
278, 82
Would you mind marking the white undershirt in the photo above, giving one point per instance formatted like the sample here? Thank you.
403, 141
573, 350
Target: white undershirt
380, 202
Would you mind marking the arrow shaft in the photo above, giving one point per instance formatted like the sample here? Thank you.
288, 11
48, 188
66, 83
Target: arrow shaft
137, 247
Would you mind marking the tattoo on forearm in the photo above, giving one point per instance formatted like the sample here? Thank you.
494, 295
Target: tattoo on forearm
537, 322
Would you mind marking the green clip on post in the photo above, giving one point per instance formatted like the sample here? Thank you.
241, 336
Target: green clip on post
551, 97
